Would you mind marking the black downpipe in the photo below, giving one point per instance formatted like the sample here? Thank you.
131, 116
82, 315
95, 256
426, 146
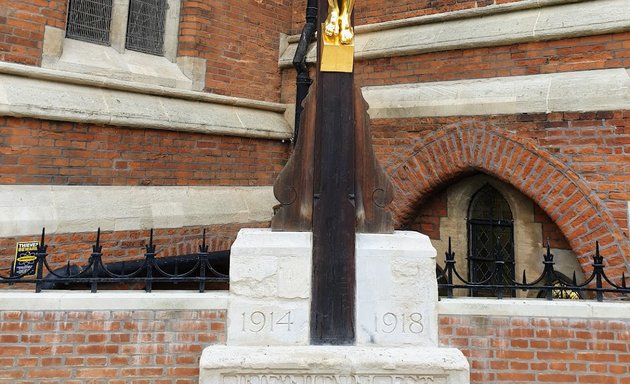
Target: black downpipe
303, 80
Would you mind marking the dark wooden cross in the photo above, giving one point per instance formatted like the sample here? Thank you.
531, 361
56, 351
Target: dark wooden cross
333, 186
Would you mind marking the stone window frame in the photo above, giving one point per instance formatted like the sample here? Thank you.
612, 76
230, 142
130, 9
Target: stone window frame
170, 70
118, 27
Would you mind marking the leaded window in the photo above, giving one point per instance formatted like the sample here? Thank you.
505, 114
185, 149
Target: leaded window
490, 239
145, 26
89, 20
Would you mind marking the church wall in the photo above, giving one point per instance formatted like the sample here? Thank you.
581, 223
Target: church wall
22, 28
237, 40
39, 153
106, 346
540, 57
594, 144
60, 153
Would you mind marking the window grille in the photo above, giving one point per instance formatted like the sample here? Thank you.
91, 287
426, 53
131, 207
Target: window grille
145, 26
89, 20
490, 238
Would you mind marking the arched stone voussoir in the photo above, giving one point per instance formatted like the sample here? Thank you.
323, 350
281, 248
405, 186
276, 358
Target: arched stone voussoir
520, 162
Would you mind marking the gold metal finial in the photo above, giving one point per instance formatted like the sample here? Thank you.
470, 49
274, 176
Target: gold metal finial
338, 37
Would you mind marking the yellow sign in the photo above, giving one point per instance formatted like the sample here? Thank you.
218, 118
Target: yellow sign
25, 258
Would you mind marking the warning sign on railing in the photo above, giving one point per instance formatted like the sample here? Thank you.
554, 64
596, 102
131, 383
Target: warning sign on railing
25, 258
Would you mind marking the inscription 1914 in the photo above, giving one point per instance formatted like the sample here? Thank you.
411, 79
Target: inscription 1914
330, 379
259, 321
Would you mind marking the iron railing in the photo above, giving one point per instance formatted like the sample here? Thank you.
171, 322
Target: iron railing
147, 271
550, 284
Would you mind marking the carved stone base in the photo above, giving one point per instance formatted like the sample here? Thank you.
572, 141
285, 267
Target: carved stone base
332, 365
268, 322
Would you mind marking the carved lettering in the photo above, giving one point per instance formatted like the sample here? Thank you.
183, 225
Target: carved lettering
330, 379
259, 321
390, 322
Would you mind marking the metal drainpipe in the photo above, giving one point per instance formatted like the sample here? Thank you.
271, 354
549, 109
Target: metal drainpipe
303, 81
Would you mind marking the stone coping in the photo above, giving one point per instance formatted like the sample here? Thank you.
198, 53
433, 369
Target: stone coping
47, 95
22, 300
25, 209
467, 306
491, 26
59, 76
453, 15
596, 90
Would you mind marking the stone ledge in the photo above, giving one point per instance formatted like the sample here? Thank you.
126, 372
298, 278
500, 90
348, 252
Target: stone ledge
578, 309
332, 364
25, 209
598, 90
54, 95
14, 300
492, 26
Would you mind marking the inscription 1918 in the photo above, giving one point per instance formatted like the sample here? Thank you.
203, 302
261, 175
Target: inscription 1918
259, 321
390, 322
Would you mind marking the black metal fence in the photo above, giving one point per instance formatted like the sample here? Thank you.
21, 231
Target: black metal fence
205, 268
199, 269
551, 284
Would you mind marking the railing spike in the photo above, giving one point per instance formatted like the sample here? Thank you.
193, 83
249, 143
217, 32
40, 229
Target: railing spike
42, 242
548, 245
574, 279
623, 280
524, 277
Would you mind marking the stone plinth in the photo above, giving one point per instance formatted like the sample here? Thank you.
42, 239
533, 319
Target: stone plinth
269, 314
332, 365
270, 288
396, 290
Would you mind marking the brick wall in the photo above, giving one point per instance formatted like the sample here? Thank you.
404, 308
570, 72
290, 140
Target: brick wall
107, 346
164, 346
521, 349
59, 153
22, 28
239, 40
595, 145
573, 165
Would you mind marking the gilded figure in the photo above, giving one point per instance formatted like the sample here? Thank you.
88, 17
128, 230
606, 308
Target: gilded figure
338, 25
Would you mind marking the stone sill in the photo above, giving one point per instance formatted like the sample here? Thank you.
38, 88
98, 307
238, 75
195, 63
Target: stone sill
468, 306
531, 20
135, 87
61, 96
596, 90
20, 300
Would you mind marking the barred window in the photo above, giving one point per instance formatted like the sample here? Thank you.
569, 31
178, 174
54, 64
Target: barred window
490, 239
145, 26
89, 20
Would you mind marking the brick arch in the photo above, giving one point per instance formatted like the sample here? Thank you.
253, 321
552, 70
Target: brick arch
567, 198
